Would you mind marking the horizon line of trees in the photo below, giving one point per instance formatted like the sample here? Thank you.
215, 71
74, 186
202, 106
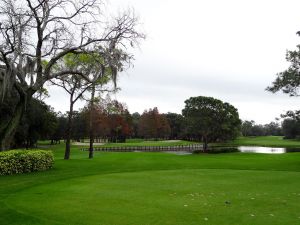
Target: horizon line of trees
112, 122
250, 128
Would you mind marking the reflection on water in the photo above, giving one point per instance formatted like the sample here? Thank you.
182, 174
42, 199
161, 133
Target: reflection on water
268, 150
244, 149
253, 149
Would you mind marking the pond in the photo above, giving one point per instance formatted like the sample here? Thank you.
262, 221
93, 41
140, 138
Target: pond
267, 150
243, 149
257, 149
254, 149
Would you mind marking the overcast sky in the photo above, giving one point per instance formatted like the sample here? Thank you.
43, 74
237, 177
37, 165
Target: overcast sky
230, 50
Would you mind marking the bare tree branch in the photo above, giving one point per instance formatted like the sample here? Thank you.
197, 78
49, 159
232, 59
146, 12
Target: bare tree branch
35, 36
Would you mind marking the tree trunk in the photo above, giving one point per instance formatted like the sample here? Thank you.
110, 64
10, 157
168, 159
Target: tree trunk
7, 134
205, 144
91, 149
69, 130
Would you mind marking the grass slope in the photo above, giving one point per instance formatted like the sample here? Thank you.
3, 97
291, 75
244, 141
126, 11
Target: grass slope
156, 188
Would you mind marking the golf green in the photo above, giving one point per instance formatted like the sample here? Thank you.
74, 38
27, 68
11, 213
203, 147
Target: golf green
156, 188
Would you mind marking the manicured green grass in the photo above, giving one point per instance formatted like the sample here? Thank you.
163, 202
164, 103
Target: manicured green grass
141, 142
271, 141
267, 141
156, 189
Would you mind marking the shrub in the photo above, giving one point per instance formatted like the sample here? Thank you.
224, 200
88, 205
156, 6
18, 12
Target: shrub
25, 161
216, 150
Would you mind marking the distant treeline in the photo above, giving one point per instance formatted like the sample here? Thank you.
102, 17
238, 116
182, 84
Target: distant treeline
112, 122
250, 128
289, 127
116, 124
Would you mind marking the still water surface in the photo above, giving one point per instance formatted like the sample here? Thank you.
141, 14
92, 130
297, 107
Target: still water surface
244, 149
268, 150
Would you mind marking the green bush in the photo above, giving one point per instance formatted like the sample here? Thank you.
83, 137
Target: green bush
25, 161
216, 150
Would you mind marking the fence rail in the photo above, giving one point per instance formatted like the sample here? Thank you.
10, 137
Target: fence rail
176, 148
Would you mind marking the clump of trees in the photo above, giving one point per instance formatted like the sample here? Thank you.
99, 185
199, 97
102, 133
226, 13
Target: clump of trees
203, 119
152, 124
250, 128
39, 122
176, 122
36, 35
210, 120
111, 120
291, 125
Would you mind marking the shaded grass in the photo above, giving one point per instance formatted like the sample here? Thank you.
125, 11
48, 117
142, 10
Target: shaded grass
156, 188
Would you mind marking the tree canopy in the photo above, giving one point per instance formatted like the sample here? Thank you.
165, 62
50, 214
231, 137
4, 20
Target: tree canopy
210, 119
288, 81
250, 128
152, 124
176, 124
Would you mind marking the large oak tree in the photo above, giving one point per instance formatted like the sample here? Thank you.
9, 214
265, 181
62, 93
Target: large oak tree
210, 119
